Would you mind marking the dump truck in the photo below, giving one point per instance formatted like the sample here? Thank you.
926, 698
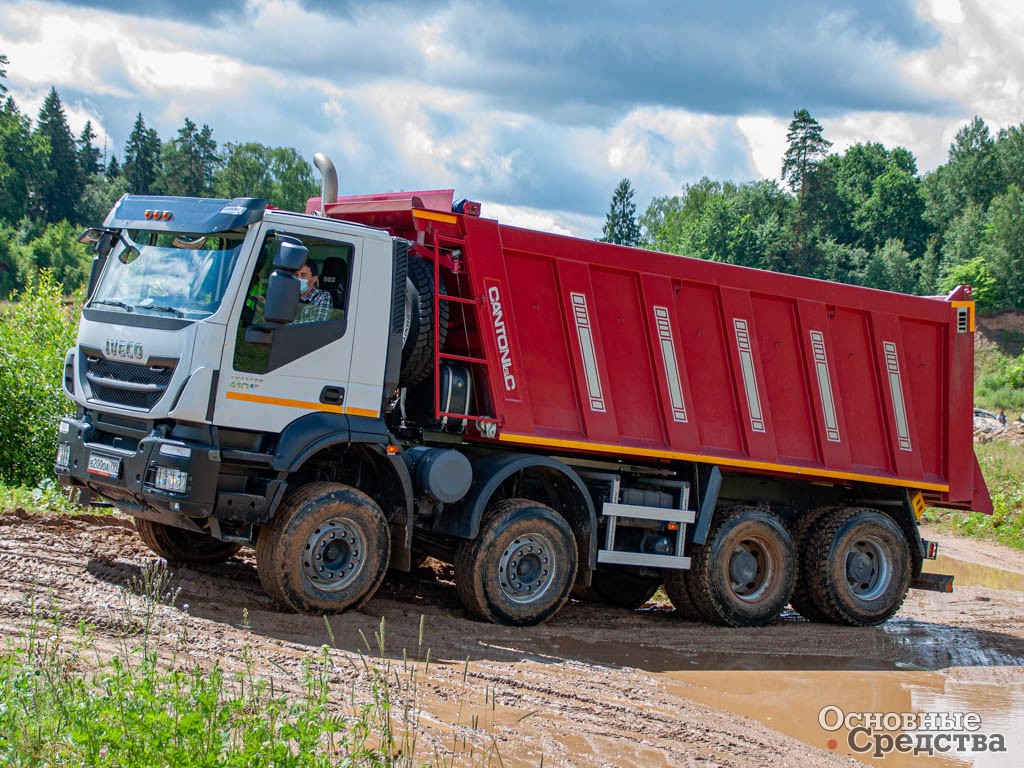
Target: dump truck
556, 417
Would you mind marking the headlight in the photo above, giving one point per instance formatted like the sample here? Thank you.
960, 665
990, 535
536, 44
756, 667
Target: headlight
170, 480
64, 455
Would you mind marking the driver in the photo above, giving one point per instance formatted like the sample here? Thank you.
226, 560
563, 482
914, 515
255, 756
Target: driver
315, 304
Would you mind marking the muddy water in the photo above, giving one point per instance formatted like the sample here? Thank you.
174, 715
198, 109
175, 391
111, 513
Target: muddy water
791, 701
975, 575
916, 667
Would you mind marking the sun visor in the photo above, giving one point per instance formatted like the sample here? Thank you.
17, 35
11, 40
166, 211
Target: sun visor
185, 214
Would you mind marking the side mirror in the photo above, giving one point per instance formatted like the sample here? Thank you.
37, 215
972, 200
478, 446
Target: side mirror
291, 255
102, 240
282, 300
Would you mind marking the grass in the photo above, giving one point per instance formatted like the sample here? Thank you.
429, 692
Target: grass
64, 702
1003, 467
46, 498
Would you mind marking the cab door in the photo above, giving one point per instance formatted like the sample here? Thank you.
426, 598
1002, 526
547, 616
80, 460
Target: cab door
270, 377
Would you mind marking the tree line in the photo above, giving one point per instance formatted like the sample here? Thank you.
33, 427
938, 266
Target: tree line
53, 183
865, 216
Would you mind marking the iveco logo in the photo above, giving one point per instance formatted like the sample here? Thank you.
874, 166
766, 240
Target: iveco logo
501, 337
126, 350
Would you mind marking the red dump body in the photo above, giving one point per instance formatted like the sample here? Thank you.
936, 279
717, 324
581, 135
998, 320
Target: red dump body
585, 347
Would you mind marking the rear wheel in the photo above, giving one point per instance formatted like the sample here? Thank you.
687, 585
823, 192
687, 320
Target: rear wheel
745, 573
520, 568
623, 590
325, 551
857, 566
801, 600
182, 546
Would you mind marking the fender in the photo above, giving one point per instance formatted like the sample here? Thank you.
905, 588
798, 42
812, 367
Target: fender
313, 432
462, 520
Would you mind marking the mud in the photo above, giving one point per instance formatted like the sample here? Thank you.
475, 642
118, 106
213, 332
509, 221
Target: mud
596, 686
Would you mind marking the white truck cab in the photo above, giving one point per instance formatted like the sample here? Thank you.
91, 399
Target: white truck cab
206, 386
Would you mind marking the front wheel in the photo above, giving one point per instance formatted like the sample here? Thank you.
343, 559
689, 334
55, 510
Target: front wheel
325, 551
858, 567
520, 568
177, 545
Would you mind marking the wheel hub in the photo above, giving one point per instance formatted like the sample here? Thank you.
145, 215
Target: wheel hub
742, 567
868, 568
859, 567
751, 569
334, 554
526, 569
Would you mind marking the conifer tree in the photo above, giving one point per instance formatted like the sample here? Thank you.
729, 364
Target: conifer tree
141, 158
620, 224
806, 149
88, 155
61, 182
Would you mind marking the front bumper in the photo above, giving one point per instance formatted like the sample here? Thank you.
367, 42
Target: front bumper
126, 463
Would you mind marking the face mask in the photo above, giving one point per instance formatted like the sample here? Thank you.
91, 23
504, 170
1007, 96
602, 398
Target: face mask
303, 285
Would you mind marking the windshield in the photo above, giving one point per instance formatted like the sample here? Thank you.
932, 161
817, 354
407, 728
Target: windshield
170, 274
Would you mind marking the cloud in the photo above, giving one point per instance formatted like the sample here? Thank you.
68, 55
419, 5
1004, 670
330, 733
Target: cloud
538, 108
184, 10
978, 60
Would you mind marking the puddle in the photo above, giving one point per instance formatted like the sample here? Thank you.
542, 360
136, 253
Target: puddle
905, 666
974, 575
791, 703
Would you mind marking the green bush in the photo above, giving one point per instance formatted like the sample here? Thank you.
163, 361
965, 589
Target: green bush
1003, 467
36, 330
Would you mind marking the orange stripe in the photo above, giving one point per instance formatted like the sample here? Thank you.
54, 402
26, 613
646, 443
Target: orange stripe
283, 401
739, 463
447, 218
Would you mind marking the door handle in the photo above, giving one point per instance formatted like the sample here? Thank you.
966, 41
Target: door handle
332, 395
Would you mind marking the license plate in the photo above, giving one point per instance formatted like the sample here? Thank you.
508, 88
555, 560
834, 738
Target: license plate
108, 466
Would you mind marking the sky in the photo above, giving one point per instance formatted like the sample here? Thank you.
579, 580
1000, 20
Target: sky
536, 109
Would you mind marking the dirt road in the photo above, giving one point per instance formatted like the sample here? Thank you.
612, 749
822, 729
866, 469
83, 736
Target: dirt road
596, 686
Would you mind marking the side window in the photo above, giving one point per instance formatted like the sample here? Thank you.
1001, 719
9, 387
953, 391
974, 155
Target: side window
323, 306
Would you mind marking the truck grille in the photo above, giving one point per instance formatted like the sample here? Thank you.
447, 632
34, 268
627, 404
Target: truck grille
128, 384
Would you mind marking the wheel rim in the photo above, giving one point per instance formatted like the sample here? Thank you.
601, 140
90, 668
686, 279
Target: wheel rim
751, 569
868, 568
334, 554
525, 571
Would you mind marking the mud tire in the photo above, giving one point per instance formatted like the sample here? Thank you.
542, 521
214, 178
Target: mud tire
677, 587
418, 341
295, 552
744, 575
623, 590
522, 545
801, 529
177, 545
858, 567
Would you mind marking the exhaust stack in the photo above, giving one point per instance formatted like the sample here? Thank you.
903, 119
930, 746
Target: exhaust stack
329, 181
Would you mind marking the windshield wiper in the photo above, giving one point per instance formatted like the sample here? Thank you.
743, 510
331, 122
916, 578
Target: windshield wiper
173, 310
109, 303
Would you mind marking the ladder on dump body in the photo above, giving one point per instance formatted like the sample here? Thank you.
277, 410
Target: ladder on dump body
459, 266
